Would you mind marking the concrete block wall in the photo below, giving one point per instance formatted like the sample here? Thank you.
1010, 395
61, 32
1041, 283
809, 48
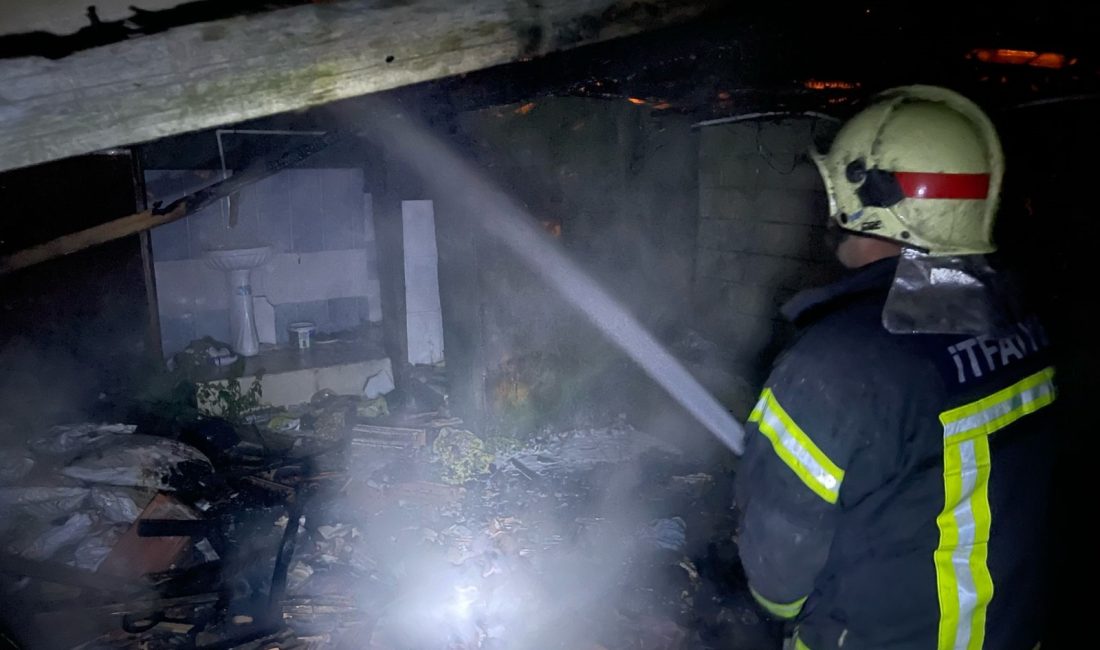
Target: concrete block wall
618, 184
620, 181
762, 217
320, 225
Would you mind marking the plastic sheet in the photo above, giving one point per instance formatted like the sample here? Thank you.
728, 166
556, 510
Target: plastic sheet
669, 534
116, 505
95, 548
73, 438
141, 461
44, 503
69, 533
15, 464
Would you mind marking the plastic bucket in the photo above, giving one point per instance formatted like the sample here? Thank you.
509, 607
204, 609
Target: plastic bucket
301, 334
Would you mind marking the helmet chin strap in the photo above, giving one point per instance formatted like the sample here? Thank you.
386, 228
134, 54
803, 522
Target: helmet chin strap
834, 234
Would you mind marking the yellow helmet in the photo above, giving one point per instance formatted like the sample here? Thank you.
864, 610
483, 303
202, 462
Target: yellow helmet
921, 166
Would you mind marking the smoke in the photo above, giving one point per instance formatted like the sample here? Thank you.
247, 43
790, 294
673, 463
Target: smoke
580, 590
598, 555
504, 220
605, 551
40, 386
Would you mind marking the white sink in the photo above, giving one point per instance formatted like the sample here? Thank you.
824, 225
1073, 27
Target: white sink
238, 259
238, 264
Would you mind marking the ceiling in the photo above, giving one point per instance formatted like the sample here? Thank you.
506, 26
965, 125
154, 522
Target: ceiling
776, 56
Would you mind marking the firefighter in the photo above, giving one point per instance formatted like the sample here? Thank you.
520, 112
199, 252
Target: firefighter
894, 485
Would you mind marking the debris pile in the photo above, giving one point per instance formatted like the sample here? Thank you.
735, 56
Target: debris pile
348, 522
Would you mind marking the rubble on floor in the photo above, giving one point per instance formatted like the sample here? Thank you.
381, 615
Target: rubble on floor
349, 522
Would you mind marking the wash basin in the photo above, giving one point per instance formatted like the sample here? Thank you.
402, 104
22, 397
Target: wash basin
238, 264
238, 259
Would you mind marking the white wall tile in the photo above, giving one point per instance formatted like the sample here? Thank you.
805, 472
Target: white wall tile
186, 286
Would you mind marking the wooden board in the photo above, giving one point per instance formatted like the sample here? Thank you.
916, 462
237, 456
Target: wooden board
226, 71
68, 244
134, 556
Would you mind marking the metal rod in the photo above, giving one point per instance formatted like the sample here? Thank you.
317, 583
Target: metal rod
283, 556
218, 133
160, 214
1056, 100
760, 116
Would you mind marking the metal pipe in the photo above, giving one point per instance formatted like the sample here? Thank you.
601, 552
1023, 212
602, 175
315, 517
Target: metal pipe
218, 133
758, 116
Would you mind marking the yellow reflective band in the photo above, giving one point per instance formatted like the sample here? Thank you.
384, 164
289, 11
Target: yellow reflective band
963, 581
1002, 408
799, 644
795, 448
779, 610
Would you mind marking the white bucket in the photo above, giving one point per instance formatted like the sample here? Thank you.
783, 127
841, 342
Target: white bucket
301, 334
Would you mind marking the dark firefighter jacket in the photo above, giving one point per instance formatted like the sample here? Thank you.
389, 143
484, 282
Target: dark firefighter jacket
894, 487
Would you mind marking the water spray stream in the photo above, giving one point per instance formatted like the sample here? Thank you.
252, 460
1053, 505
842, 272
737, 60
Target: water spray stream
504, 219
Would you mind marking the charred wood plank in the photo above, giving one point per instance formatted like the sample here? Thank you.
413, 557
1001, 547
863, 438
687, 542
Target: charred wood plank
226, 71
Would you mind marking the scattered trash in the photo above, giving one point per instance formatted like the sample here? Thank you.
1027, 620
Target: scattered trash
378, 384
94, 549
43, 503
527, 472
425, 493
693, 485
463, 455
206, 549
116, 505
215, 437
669, 534
323, 396
336, 524
67, 439
15, 464
284, 422
371, 435
222, 357
299, 575
373, 408
330, 424
140, 461
70, 533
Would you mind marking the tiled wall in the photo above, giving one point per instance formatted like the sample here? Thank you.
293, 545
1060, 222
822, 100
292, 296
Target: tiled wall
323, 268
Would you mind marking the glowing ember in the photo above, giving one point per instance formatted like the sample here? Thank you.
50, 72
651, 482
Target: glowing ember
817, 84
1051, 60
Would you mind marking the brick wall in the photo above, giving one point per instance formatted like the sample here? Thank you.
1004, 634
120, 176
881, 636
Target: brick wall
761, 234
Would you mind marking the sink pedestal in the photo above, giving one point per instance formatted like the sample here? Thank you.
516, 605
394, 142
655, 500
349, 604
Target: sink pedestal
238, 265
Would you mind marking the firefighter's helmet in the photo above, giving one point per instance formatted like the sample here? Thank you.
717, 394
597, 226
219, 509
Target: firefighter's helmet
921, 166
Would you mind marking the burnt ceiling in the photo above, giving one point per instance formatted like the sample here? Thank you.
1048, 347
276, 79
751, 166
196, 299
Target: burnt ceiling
744, 60
98, 31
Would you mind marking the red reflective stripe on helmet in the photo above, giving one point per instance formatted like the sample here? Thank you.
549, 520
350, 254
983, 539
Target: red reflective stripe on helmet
931, 185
